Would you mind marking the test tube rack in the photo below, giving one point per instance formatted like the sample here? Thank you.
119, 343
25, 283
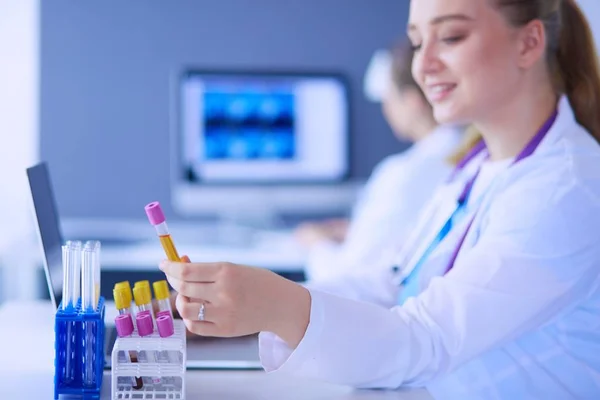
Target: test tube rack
170, 356
70, 347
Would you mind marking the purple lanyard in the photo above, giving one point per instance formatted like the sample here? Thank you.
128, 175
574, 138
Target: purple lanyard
479, 147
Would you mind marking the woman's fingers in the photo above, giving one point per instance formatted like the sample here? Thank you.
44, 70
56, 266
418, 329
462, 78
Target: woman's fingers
195, 290
202, 328
190, 310
192, 272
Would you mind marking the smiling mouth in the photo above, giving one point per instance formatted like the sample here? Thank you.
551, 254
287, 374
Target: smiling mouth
438, 93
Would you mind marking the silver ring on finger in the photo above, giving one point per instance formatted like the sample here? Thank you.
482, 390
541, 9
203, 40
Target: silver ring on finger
201, 316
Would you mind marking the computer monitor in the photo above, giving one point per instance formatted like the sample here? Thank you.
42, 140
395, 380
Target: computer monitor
276, 140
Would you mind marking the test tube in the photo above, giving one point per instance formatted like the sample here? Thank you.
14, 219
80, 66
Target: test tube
164, 324
96, 246
88, 289
122, 296
75, 247
143, 298
68, 276
68, 306
146, 328
88, 293
162, 296
124, 325
123, 289
157, 218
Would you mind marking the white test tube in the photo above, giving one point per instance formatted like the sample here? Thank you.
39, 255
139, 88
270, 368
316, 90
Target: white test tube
88, 290
87, 306
96, 246
68, 304
75, 247
68, 274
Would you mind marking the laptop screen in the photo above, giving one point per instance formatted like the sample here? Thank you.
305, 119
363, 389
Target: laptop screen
48, 225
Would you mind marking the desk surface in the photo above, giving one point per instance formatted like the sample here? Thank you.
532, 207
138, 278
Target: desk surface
221, 385
133, 245
26, 338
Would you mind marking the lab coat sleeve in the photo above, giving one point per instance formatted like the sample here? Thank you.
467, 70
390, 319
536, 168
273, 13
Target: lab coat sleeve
533, 262
372, 285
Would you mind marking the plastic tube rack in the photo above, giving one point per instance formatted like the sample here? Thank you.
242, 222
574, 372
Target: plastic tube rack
78, 368
161, 365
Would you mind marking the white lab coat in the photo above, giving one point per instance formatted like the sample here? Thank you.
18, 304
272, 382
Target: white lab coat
518, 317
388, 207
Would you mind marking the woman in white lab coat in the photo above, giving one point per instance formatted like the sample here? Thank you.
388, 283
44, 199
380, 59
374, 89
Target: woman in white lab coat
396, 191
503, 299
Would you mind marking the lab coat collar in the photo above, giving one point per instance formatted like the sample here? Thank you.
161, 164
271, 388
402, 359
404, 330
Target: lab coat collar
564, 123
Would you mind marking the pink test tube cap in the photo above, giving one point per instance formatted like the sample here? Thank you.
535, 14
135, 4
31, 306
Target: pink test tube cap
155, 213
165, 326
124, 325
144, 324
164, 312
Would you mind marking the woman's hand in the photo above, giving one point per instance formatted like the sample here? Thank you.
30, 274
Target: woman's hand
238, 300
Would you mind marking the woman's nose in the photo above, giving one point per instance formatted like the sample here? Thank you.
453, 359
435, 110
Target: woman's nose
426, 60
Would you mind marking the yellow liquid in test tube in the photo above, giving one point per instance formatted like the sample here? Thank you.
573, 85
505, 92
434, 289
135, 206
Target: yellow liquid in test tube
169, 247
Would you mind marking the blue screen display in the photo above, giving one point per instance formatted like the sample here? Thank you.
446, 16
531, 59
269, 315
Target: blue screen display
248, 125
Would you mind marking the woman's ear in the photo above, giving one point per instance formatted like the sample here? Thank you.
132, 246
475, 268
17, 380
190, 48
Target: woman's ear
532, 43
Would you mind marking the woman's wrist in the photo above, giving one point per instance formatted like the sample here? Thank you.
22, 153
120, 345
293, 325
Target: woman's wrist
292, 304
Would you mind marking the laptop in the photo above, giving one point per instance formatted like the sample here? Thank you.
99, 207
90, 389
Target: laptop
202, 353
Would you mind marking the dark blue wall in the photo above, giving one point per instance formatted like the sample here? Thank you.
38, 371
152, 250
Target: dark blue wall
105, 75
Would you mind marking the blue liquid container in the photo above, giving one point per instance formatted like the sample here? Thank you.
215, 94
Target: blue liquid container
79, 352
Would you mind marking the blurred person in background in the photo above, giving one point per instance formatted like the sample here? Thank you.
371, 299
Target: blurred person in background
398, 187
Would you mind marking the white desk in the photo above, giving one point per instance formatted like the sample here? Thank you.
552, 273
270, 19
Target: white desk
26, 338
202, 242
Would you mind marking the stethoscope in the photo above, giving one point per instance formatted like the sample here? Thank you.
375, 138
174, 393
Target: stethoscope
410, 259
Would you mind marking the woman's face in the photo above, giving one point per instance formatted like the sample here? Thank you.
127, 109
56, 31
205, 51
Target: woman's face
466, 57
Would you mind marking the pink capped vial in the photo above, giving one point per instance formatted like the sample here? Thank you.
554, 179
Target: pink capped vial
144, 324
124, 325
155, 213
157, 218
165, 326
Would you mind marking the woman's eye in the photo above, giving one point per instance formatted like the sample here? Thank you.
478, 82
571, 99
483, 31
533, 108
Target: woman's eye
415, 47
453, 39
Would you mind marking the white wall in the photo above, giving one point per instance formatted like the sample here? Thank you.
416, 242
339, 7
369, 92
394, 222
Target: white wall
19, 129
